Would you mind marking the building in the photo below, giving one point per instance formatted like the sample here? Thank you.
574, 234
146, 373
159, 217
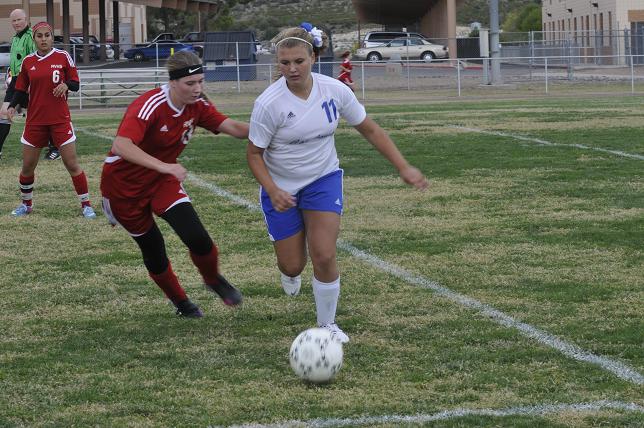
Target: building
132, 25
433, 18
595, 27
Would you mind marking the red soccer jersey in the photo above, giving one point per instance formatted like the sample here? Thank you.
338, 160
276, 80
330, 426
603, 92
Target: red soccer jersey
38, 76
159, 129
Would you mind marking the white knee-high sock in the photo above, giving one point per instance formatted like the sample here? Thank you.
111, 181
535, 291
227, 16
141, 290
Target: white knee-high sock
326, 300
291, 284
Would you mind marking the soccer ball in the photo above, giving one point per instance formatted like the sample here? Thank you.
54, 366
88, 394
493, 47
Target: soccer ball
315, 355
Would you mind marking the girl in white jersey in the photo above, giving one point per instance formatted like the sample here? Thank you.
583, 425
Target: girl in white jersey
292, 155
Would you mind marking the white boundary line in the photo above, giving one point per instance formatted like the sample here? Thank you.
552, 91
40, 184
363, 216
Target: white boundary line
619, 369
546, 143
537, 410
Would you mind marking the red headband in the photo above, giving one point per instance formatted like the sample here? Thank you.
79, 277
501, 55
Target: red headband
40, 25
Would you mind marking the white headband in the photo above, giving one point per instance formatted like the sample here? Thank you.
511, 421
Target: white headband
294, 38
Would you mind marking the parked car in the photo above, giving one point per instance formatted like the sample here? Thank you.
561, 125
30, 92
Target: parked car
75, 48
109, 51
5, 48
163, 36
379, 38
163, 48
407, 47
194, 39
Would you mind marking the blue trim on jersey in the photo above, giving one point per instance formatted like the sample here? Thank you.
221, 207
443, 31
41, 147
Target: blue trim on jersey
324, 194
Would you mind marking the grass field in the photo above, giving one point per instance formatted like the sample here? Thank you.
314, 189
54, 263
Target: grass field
509, 294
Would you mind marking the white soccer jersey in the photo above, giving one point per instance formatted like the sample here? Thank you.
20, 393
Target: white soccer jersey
298, 134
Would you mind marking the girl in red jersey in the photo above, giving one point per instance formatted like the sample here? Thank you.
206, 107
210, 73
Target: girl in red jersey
141, 176
345, 70
46, 75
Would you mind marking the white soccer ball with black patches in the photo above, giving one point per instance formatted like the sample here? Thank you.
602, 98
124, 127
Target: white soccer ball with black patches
315, 355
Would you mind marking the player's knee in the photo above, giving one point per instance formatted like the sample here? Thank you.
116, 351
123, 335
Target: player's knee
291, 268
198, 241
156, 264
324, 261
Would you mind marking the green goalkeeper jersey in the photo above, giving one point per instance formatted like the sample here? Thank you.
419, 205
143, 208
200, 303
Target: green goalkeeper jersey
22, 44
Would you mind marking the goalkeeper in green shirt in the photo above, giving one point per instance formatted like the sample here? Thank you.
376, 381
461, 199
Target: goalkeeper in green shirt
22, 44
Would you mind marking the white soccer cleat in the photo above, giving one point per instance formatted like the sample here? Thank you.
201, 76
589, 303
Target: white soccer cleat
336, 332
291, 285
21, 211
88, 212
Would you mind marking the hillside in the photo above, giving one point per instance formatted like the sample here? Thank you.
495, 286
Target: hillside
268, 16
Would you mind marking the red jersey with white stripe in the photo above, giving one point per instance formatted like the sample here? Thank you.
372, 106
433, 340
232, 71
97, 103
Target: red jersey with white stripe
161, 130
38, 76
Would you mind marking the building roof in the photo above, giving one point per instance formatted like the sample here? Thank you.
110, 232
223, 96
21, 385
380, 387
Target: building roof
189, 5
392, 11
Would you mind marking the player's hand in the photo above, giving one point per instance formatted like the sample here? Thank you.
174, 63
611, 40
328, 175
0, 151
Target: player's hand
10, 113
414, 177
282, 200
175, 169
60, 90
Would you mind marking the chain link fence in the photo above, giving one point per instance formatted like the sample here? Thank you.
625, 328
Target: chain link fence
530, 65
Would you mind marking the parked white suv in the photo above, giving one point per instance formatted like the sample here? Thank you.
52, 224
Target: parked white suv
379, 38
404, 47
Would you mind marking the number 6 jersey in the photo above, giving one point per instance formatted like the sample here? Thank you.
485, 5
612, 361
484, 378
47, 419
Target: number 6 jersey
38, 76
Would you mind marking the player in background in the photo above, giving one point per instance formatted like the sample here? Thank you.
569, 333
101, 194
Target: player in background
46, 75
345, 70
293, 157
141, 176
22, 44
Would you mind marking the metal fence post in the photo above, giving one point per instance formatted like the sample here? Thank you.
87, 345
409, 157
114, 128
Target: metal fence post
569, 49
458, 76
531, 38
362, 79
632, 75
80, 94
156, 47
237, 59
103, 98
408, 66
546, 72
270, 74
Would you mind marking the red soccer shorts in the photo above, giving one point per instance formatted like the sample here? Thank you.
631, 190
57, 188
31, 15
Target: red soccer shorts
135, 215
40, 135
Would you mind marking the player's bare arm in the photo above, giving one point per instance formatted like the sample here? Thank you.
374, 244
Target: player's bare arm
234, 128
126, 149
280, 199
384, 144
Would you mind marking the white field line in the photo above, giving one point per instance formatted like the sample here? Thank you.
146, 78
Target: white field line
536, 410
546, 143
619, 369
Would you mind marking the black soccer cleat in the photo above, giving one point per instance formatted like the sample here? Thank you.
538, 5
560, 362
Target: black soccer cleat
228, 293
187, 309
52, 154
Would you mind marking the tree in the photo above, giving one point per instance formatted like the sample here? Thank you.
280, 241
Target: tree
177, 22
525, 19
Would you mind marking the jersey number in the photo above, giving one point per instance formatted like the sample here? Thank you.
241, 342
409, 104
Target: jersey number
187, 135
327, 110
55, 76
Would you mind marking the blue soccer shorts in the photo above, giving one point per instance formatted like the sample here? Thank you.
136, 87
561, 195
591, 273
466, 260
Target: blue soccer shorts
324, 194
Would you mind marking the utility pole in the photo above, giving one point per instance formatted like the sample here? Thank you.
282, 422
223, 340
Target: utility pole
495, 54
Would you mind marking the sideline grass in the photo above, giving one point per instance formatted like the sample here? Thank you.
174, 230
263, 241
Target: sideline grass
552, 236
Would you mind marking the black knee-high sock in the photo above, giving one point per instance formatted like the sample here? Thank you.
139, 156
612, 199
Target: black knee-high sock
4, 132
